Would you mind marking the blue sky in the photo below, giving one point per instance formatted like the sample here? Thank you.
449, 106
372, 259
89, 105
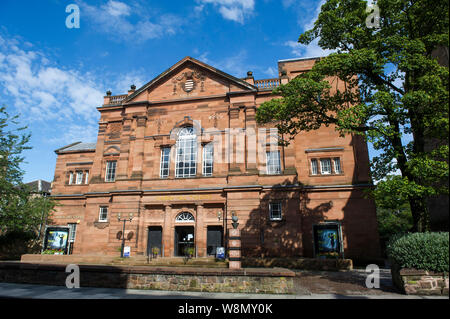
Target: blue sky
55, 77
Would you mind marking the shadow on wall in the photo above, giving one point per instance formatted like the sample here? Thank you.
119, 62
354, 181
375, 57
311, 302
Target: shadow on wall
286, 236
304, 207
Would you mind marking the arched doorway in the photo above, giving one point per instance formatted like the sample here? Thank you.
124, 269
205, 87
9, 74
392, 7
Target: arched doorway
184, 234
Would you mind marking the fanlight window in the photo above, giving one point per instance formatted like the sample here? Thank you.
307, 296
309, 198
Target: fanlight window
185, 217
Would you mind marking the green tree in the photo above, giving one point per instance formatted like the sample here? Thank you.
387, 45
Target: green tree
21, 211
394, 87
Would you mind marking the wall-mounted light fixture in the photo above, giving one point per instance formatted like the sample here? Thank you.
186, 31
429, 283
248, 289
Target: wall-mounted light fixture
219, 215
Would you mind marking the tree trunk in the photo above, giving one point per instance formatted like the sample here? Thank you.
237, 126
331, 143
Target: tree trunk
419, 211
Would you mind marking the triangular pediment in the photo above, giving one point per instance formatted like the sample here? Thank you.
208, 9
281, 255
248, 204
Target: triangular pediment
189, 78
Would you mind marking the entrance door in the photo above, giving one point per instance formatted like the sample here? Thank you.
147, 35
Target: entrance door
184, 238
214, 239
154, 240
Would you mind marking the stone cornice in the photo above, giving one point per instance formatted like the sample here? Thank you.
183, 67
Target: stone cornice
230, 188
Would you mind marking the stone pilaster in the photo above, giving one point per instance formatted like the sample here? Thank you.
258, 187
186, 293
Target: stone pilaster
289, 159
236, 141
200, 232
122, 165
251, 155
98, 158
167, 232
138, 156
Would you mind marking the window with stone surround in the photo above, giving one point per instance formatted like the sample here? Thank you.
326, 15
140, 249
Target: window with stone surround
86, 177
72, 232
275, 212
165, 162
70, 178
337, 165
208, 159
326, 166
273, 163
110, 175
186, 156
314, 167
103, 214
79, 179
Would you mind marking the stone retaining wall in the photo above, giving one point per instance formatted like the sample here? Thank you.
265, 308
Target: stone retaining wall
159, 278
420, 282
299, 263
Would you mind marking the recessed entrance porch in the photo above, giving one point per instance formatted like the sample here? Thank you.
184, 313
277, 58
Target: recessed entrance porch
184, 239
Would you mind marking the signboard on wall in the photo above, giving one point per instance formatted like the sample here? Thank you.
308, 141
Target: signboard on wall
126, 251
220, 252
56, 240
327, 240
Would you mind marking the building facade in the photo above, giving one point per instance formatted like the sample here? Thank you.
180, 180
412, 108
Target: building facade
183, 154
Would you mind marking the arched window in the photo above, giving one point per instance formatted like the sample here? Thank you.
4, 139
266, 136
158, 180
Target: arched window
184, 217
186, 160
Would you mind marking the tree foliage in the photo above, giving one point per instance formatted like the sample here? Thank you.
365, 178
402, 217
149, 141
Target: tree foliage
20, 209
395, 95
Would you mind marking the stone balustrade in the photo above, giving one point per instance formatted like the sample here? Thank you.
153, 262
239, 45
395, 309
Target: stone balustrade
116, 99
267, 83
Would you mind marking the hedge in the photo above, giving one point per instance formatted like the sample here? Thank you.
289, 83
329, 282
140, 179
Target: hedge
425, 251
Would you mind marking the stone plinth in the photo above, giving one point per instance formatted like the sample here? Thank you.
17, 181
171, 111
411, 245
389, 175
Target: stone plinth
420, 282
234, 249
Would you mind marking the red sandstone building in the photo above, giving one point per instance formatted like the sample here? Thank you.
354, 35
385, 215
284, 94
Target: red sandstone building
165, 154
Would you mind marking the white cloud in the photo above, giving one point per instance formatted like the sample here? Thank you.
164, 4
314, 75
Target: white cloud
129, 21
272, 72
116, 8
288, 3
74, 133
313, 49
308, 51
60, 101
234, 65
234, 10
48, 91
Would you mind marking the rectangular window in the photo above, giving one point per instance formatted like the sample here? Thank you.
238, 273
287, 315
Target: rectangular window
103, 216
208, 159
165, 162
72, 232
325, 166
275, 211
110, 171
273, 163
79, 179
337, 165
70, 178
86, 180
314, 167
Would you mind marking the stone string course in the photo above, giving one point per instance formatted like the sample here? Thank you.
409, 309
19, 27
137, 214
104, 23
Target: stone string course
279, 281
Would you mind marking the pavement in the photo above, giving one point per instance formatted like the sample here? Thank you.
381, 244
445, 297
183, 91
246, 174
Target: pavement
308, 285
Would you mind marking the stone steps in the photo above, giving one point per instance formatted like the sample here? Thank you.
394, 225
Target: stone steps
136, 260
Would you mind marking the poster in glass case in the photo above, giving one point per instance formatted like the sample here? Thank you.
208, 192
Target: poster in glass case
327, 240
55, 240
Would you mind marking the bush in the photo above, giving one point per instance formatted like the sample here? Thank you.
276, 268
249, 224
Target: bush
16, 243
425, 251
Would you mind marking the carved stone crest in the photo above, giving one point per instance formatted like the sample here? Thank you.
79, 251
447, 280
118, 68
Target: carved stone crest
189, 81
